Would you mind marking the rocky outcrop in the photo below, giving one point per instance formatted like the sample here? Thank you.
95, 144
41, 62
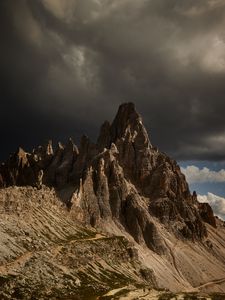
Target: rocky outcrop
122, 178
17, 170
206, 214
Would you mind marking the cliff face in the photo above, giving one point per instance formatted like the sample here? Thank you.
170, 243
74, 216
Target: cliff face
121, 178
121, 185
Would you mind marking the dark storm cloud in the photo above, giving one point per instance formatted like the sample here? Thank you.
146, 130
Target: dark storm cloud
67, 64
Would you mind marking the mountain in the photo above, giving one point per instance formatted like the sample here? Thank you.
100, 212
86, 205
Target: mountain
124, 186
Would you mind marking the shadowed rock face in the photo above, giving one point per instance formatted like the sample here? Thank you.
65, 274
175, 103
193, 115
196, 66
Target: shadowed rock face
206, 213
121, 178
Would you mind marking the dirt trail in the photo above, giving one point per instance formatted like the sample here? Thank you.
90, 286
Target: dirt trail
98, 236
10, 267
216, 281
18, 262
173, 258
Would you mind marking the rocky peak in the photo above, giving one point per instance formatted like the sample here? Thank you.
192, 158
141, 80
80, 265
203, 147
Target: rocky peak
130, 137
122, 178
104, 138
127, 125
206, 213
46, 150
20, 158
21, 153
49, 148
127, 117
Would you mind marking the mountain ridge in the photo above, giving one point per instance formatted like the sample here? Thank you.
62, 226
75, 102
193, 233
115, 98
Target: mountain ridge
127, 145
124, 185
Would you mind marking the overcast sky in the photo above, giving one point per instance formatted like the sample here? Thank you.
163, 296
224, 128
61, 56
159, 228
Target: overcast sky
66, 65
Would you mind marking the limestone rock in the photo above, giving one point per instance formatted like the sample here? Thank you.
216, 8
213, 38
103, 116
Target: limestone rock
121, 179
206, 213
64, 167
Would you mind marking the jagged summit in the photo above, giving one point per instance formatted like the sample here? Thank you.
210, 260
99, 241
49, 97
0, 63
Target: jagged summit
121, 177
127, 118
126, 125
125, 186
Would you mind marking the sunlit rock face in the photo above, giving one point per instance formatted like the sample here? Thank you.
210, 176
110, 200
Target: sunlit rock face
121, 178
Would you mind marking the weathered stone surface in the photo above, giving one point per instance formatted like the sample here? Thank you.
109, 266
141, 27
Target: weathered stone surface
44, 254
139, 224
69, 156
206, 214
121, 178
122, 186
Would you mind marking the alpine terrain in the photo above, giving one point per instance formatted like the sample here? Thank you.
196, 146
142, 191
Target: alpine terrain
113, 219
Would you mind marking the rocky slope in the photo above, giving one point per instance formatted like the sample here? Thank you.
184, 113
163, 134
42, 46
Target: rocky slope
44, 254
123, 185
